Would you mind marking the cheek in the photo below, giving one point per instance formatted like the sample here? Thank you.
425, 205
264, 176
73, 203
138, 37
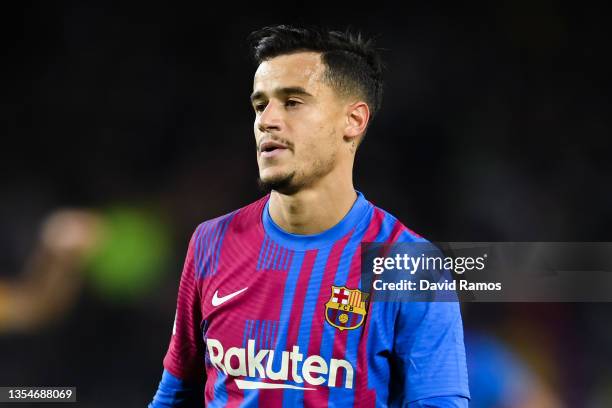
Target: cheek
321, 144
315, 137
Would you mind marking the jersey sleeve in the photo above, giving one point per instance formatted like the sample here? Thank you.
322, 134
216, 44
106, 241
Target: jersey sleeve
430, 353
185, 356
174, 393
440, 402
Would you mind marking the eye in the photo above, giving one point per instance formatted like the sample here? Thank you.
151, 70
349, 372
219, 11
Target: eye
259, 107
292, 103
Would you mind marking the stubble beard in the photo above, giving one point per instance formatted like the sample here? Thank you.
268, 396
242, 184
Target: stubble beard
283, 184
292, 182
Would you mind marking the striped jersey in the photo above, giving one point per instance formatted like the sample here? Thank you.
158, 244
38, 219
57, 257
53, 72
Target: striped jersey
273, 319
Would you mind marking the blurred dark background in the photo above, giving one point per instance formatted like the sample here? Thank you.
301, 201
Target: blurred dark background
495, 126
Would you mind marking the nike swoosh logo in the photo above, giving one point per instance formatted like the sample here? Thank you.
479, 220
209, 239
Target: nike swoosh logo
216, 300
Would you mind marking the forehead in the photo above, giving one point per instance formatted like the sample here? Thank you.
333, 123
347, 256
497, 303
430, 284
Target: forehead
303, 69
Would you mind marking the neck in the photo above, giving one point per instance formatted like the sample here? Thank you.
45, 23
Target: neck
312, 210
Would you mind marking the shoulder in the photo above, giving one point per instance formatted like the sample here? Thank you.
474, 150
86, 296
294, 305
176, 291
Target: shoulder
234, 228
246, 217
392, 229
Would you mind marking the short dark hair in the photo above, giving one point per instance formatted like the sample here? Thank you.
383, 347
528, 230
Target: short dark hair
353, 65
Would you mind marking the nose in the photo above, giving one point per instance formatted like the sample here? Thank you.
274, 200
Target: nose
270, 118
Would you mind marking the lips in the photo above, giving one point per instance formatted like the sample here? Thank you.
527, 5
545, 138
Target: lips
270, 145
271, 148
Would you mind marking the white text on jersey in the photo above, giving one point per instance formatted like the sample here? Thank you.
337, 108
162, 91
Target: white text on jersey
241, 362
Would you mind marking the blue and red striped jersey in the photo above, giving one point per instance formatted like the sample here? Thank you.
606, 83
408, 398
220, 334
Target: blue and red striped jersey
273, 319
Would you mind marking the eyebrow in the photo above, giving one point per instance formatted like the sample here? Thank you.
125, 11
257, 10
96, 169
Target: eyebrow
291, 90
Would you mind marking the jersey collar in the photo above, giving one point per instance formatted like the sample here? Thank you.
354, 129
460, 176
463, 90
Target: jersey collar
356, 214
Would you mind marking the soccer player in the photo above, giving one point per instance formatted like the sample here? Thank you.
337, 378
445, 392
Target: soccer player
271, 311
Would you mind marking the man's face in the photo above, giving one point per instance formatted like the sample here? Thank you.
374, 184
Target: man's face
298, 122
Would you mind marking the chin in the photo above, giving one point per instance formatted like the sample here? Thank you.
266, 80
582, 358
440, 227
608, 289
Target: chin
274, 175
280, 182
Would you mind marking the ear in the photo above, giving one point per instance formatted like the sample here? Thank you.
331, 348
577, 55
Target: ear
357, 117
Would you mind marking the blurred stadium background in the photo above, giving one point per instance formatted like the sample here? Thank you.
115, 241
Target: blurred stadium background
124, 126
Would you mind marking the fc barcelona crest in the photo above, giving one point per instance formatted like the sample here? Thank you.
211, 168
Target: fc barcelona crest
346, 308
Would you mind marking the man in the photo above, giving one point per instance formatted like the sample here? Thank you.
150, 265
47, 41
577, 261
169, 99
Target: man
258, 318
